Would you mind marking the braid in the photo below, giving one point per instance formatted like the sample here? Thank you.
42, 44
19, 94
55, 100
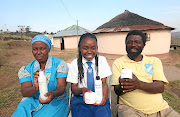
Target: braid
96, 62
80, 68
79, 60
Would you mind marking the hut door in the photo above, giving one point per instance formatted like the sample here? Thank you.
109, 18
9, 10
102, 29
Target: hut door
62, 43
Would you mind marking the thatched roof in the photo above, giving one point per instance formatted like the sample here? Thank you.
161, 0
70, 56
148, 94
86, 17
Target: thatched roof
129, 21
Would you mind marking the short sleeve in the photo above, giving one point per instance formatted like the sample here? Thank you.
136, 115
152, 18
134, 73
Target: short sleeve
104, 69
62, 69
73, 72
115, 73
158, 73
24, 75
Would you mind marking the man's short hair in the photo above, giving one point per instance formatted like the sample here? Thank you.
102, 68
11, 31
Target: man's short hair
137, 32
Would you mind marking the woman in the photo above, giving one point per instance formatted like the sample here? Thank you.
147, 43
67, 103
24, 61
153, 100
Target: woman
55, 70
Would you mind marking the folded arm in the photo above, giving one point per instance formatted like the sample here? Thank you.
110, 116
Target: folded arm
127, 85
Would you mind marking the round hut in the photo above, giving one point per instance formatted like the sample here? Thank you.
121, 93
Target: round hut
111, 35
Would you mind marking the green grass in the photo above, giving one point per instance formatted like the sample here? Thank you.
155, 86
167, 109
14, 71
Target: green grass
3, 52
9, 95
68, 56
175, 83
178, 65
176, 51
15, 37
172, 99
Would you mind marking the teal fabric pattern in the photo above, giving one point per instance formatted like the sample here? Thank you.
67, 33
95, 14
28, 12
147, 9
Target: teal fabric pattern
42, 38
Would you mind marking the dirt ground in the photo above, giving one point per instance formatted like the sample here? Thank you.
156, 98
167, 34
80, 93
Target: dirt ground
19, 54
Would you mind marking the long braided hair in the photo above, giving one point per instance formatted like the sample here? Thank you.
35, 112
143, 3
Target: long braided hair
79, 60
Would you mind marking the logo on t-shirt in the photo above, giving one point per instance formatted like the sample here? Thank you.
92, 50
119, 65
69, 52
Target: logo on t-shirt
149, 68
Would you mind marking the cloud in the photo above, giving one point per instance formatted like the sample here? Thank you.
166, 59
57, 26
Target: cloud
172, 12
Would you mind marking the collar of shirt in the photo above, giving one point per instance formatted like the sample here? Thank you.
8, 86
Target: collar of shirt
84, 61
127, 59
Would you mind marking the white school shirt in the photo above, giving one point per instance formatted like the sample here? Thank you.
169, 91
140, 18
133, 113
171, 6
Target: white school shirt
103, 70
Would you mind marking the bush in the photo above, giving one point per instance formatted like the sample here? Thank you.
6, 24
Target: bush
14, 37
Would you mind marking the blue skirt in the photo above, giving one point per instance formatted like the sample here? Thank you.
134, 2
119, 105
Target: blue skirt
79, 109
30, 107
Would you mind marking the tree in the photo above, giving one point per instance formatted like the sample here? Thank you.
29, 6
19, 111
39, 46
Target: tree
45, 32
27, 29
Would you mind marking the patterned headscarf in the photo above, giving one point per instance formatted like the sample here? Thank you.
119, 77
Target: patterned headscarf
42, 38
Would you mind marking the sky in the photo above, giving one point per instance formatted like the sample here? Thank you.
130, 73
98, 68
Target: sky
55, 15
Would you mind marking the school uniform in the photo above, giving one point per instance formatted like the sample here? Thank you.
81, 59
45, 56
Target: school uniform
78, 108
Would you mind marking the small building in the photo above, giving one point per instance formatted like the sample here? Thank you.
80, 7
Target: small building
111, 35
175, 44
68, 38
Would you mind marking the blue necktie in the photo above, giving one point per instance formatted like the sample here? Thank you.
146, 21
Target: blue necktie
90, 77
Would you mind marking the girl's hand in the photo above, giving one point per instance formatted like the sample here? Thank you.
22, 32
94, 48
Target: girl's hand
104, 91
102, 102
84, 90
50, 95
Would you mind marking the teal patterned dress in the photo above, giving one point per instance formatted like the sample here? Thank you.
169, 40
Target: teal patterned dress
30, 106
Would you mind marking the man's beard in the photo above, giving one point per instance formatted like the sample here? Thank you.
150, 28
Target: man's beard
133, 55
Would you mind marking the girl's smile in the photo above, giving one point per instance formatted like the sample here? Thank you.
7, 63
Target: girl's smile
88, 48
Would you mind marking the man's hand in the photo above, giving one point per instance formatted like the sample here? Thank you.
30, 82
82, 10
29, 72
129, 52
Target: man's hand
129, 84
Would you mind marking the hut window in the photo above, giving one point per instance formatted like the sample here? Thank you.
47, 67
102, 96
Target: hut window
147, 36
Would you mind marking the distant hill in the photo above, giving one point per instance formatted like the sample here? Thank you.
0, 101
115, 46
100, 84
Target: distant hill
175, 34
175, 40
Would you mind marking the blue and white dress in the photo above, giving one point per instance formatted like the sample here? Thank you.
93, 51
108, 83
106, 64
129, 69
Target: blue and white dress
30, 106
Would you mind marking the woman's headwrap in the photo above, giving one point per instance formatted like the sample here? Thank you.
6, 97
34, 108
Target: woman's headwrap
42, 38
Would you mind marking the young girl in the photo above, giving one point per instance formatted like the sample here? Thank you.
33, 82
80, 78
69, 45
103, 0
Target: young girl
82, 82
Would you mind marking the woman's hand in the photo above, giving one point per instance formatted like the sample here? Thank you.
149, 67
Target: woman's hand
50, 95
35, 77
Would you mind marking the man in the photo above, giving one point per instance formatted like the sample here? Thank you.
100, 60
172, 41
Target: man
140, 96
